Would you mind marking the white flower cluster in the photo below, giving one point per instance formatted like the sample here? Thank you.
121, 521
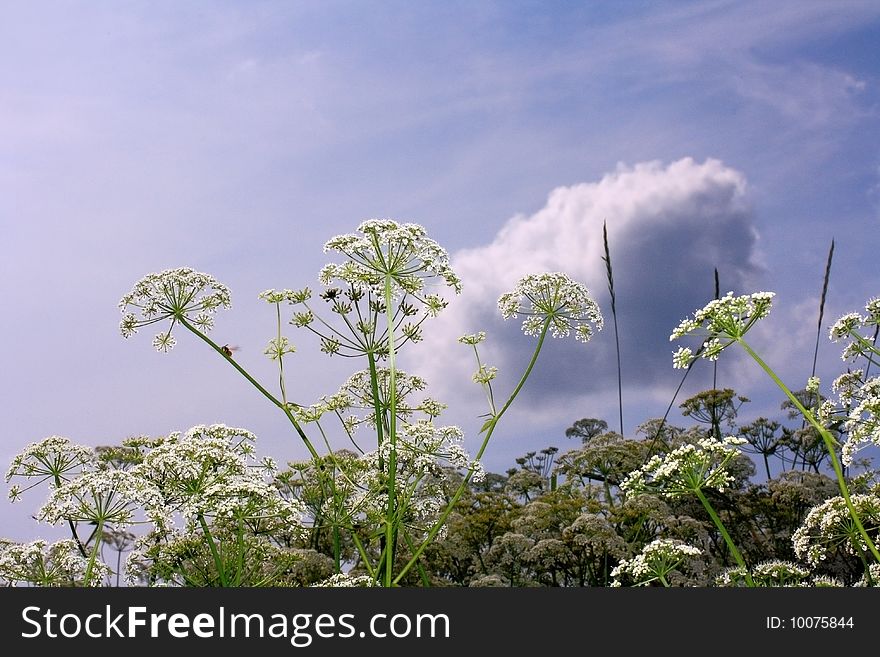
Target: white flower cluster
686, 469
829, 527
209, 472
357, 397
54, 458
47, 564
383, 248
721, 322
172, 294
344, 580
773, 573
109, 497
555, 298
656, 560
863, 420
422, 451
848, 327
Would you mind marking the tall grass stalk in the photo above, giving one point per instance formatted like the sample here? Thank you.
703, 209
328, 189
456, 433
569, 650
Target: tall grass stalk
822, 307
610, 275
715, 362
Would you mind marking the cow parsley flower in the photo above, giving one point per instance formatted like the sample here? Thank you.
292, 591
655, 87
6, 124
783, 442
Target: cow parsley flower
40, 563
863, 420
556, 299
657, 560
55, 459
687, 469
107, 497
385, 248
773, 573
181, 294
721, 322
829, 528
344, 580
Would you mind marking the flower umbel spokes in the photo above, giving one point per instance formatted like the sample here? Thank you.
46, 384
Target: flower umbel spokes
175, 294
386, 248
555, 299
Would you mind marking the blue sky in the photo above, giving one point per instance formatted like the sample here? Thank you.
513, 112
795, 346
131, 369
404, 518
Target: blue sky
236, 138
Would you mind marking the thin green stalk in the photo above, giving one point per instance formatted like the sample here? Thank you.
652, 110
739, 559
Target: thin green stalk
390, 529
218, 562
489, 428
730, 544
268, 395
829, 445
95, 548
239, 548
280, 356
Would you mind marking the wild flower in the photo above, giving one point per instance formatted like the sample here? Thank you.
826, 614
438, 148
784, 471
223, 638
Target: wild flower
54, 459
345, 580
105, 498
871, 576
383, 248
687, 469
361, 400
47, 564
829, 529
773, 573
179, 295
657, 560
556, 300
721, 322
863, 420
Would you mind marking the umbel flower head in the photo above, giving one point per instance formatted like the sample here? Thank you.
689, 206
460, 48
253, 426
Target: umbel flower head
655, 562
686, 469
385, 248
555, 298
829, 529
721, 322
175, 294
47, 564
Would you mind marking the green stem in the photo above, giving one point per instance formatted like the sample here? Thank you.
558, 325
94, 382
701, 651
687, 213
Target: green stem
218, 562
390, 533
364, 556
280, 356
730, 544
490, 429
268, 395
830, 445
95, 548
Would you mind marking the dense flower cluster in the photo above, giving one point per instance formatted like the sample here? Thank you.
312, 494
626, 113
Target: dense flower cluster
554, 299
720, 322
47, 564
108, 497
173, 294
686, 469
385, 248
55, 459
829, 528
654, 563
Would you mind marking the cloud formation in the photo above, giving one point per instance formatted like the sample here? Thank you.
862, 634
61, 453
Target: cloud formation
669, 226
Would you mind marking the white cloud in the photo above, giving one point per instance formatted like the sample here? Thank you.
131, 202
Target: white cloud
669, 226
